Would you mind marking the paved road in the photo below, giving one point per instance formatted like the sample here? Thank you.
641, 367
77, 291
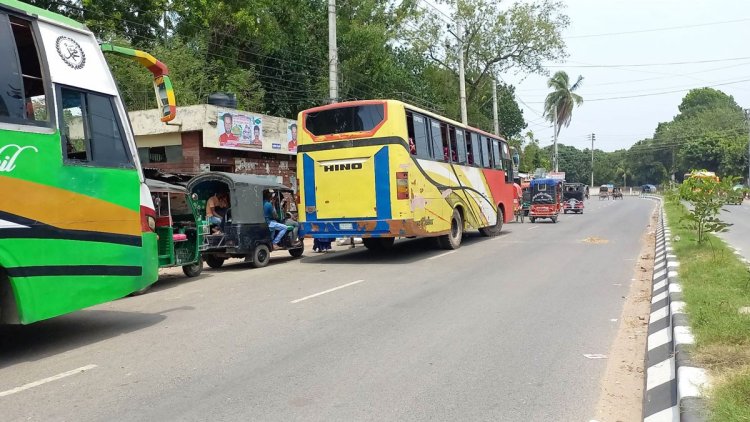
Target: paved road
494, 331
737, 236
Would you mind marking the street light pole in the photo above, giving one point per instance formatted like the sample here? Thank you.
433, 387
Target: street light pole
747, 117
495, 122
333, 59
593, 138
461, 71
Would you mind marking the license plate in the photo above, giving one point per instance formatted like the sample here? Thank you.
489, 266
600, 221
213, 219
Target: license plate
346, 226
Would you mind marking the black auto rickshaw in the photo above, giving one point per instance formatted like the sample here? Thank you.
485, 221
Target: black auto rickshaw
573, 195
244, 232
179, 227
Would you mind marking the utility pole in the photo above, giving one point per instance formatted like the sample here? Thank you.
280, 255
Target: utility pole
333, 55
554, 154
747, 116
593, 138
496, 124
461, 76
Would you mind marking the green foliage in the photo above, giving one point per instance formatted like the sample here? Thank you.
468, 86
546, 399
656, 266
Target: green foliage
707, 197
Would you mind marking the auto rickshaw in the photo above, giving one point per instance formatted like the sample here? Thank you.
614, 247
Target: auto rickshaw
546, 199
179, 227
603, 192
244, 232
573, 196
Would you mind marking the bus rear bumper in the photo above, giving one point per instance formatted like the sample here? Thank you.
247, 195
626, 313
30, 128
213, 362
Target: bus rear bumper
363, 228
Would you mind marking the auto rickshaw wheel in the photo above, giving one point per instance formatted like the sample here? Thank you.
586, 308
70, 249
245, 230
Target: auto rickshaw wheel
193, 270
492, 231
214, 261
296, 253
452, 240
554, 219
261, 255
533, 220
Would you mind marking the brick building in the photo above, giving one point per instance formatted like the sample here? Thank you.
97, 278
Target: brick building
195, 141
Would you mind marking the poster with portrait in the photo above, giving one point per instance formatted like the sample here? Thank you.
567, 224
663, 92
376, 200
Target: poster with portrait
239, 131
291, 136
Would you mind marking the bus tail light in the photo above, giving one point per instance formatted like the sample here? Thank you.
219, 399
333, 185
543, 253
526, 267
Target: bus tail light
402, 185
148, 220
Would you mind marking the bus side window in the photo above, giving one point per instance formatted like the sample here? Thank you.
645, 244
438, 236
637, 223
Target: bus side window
507, 162
486, 163
453, 146
496, 159
411, 146
437, 141
419, 130
460, 146
475, 150
91, 130
22, 98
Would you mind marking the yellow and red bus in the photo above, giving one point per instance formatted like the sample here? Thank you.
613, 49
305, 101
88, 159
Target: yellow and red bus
382, 169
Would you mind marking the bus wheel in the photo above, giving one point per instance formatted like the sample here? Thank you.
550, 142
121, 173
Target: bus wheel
378, 243
214, 261
452, 240
261, 256
193, 270
141, 291
492, 231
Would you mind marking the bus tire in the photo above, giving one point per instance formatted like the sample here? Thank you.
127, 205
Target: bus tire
378, 243
214, 261
452, 240
193, 270
492, 231
141, 291
261, 256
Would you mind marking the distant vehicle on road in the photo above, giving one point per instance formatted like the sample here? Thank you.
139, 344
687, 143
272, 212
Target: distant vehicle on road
77, 220
573, 196
617, 192
546, 199
383, 169
604, 192
647, 188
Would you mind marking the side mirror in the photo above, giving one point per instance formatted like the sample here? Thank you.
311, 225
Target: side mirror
165, 97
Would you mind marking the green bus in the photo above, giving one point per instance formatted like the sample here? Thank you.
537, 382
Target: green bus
76, 218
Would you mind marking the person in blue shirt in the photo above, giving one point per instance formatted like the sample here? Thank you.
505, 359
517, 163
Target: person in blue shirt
272, 218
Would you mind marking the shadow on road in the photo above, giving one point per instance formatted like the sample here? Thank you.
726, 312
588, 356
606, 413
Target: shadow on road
404, 251
22, 343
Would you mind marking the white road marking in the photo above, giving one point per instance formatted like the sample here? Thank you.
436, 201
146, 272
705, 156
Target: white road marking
659, 314
532, 228
660, 296
442, 255
659, 338
326, 291
594, 356
46, 380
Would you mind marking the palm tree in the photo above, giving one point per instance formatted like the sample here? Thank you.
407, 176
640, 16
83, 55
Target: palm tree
558, 106
562, 99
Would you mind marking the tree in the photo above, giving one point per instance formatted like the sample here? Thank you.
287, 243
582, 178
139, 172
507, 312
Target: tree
496, 39
558, 106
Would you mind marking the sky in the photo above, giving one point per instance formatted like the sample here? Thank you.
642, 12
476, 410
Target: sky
619, 123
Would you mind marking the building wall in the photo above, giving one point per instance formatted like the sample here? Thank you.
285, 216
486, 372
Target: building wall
189, 128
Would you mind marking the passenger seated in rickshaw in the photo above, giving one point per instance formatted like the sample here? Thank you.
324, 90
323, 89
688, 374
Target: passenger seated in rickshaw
216, 210
290, 221
270, 212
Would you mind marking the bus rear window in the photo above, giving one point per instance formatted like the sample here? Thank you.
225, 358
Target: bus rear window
361, 118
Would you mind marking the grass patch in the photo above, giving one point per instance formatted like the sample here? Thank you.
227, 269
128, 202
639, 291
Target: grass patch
715, 284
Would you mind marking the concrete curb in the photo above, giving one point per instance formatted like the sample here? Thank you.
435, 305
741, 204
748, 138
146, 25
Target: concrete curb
674, 385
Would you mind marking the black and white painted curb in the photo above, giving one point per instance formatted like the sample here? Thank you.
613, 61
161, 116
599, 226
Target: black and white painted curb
674, 385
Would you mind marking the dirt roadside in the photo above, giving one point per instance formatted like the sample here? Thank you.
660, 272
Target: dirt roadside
621, 388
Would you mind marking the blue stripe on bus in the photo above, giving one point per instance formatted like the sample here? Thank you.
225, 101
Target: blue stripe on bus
382, 184
308, 174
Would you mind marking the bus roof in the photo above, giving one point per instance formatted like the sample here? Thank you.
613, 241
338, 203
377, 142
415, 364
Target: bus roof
407, 105
46, 14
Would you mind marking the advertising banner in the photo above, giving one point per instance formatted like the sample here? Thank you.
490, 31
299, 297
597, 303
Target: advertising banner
242, 131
